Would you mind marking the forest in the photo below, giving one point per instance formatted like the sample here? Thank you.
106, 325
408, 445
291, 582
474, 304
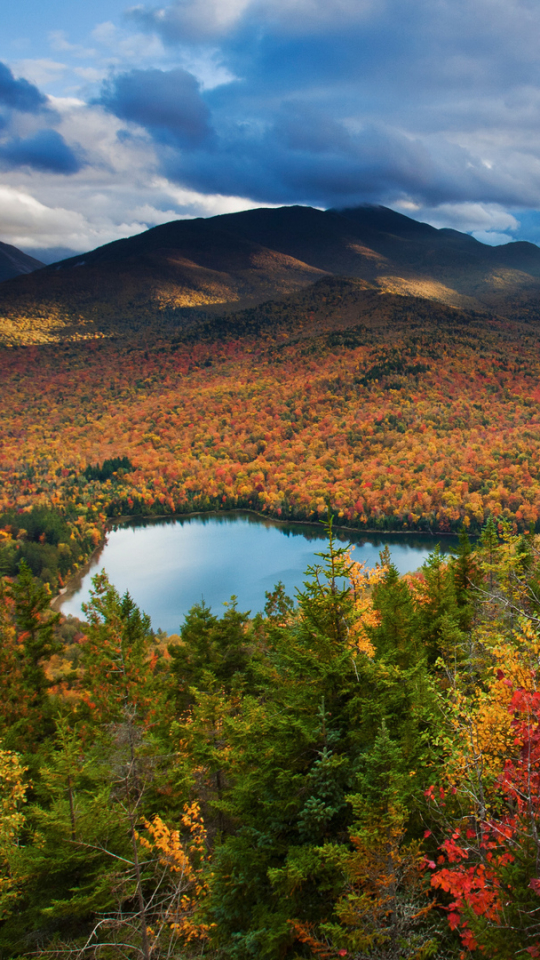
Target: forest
399, 413
354, 775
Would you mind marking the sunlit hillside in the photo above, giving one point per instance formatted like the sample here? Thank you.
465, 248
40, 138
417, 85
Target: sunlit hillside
166, 278
399, 413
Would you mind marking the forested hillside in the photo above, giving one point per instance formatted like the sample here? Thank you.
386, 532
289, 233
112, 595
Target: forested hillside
401, 414
355, 777
165, 278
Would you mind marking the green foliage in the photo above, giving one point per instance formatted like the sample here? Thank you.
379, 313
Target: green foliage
115, 465
316, 740
395, 638
44, 540
214, 653
27, 641
116, 658
35, 625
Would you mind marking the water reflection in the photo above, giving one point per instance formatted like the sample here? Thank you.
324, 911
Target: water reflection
168, 565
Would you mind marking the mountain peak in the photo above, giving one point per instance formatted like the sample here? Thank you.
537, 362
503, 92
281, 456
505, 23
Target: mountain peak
178, 269
14, 263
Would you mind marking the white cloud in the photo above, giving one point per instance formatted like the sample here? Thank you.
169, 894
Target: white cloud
191, 19
475, 218
91, 74
105, 32
60, 44
40, 72
206, 205
491, 237
126, 47
203, 20
118, 194
207, 67
26, 222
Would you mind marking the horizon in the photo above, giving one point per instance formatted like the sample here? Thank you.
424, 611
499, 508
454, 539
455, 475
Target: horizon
117, 118
74, 254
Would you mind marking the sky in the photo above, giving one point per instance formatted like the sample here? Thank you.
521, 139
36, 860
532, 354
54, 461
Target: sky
115, 118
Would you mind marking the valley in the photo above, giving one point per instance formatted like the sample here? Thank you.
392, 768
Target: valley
400, 414
272, 774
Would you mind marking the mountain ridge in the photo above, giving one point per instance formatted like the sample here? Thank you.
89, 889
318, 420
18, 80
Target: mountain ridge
172, 272
14, 263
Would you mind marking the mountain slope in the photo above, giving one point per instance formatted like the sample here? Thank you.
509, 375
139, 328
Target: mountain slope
169, 274
14, 262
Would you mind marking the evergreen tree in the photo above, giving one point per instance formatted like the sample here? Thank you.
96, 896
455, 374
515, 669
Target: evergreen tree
395, 637
214, 653
27, 641
439, 615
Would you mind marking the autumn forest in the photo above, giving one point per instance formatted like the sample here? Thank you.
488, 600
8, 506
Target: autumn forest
354, 772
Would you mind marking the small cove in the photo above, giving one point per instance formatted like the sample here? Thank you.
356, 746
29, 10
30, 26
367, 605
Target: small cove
169, 565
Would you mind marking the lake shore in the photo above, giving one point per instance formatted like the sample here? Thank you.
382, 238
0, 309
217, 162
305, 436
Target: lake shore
312, 534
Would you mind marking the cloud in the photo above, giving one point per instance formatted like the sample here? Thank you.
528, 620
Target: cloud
59, 43
190, 20
431, 106
470, 217
41, 71
301, 154
202, 20
46, 150
491, 237
167, 103
19, 94
29, 224
343, 101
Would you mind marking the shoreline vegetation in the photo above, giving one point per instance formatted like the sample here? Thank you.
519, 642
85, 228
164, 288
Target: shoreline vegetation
301, 784
355, 776
16, 543
400, 414
73, 582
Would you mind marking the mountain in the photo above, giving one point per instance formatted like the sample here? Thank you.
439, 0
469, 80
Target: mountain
179, 270
14, 262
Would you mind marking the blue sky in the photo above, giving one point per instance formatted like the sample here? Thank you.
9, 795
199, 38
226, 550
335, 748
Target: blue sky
114, 118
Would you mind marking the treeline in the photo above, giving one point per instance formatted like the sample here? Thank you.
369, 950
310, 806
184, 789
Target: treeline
356, 775
400, 414
51, 544
109, 468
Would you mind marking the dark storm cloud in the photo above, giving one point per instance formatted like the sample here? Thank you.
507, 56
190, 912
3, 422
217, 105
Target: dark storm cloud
167, 103
19, 94
299, 151
288, 164
344, 100
46, 150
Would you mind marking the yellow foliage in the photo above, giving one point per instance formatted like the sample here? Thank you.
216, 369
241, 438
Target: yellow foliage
12, 796
482, 718
363, 579
182, 858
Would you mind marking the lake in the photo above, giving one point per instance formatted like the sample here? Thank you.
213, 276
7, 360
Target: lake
169, 565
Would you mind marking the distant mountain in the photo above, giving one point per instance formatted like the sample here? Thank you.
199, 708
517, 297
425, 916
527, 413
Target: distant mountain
14, 262
173, 272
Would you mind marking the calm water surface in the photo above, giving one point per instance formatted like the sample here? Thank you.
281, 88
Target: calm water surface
167, 566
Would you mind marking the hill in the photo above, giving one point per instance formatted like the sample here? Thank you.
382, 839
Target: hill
181, 271
14, 263
401, 413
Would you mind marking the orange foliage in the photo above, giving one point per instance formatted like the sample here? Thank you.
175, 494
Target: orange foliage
182, 861
424, 429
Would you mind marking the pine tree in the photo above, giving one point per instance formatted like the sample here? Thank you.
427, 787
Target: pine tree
27, 637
